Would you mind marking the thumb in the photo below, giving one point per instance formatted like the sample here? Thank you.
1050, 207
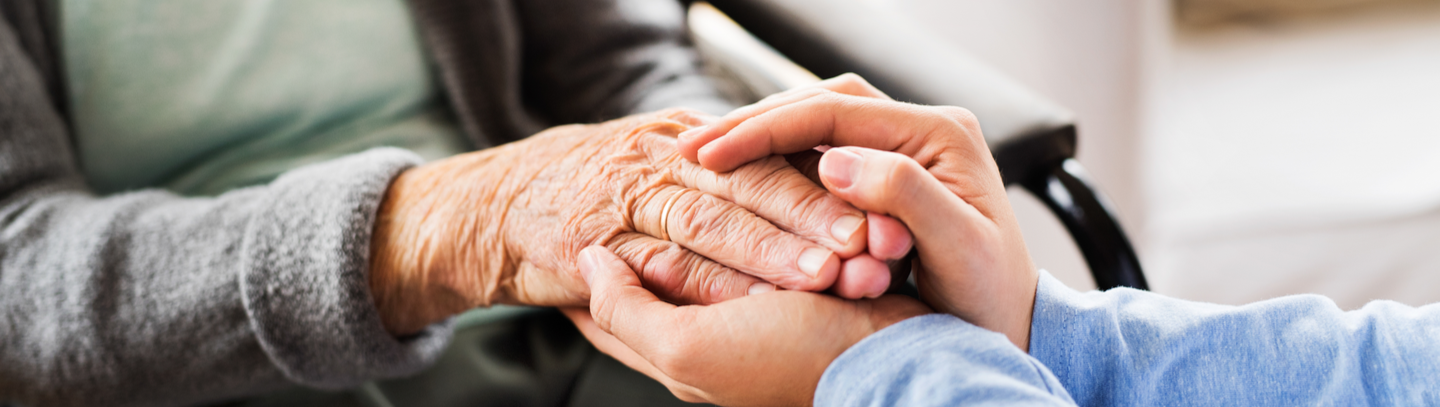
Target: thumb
894, 184
618, 302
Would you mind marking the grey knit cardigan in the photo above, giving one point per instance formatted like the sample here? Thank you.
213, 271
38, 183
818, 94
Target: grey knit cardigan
148, 298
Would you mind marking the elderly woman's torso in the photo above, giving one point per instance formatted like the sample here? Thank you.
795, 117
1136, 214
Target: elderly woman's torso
204, 97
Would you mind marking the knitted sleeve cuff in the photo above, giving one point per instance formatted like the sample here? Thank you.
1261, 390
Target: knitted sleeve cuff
304, 280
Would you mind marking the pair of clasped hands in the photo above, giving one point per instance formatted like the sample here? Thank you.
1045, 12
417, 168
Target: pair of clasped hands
924, 176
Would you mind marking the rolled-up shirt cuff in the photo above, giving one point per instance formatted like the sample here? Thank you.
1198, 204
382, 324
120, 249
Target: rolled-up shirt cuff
1077, 335
937, 359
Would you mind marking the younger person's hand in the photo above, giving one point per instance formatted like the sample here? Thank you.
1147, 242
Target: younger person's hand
927, 166
765, 349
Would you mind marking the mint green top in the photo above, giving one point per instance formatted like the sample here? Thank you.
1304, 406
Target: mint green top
199, 97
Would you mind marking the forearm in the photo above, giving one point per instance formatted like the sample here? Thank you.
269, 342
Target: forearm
148, 298
1128, 347
421, 273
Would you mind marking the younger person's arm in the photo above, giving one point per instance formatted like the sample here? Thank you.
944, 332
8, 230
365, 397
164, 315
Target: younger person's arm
929, 168
1128, 347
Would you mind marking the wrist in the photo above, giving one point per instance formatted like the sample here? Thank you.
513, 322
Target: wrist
893, 309
427, 258
396, 272
1017, 316
1018, 329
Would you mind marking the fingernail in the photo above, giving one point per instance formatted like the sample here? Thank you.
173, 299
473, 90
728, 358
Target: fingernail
588, 263
760, 288
845, 227
694, 131
839, 166
813, 259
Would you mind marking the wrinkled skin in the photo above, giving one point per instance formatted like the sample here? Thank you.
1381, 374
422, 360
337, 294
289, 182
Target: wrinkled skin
922, 168
505, 225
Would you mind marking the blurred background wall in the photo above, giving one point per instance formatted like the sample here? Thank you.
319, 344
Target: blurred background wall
1251, 151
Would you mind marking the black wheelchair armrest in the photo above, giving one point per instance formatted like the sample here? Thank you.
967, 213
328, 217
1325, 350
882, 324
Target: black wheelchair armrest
1033, 140
1067, 191
831, 37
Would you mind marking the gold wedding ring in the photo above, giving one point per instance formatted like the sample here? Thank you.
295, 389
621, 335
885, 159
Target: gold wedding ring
665, 216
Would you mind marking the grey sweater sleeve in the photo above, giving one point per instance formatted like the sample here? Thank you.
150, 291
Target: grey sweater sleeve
149, 298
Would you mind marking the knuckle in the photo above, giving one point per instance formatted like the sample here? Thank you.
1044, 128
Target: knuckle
708, 281
664, 269
809, 208
658, 130
687, 116
774, 251
813, 92
695, 215
762, 178
960, 116
673, 272
794, 93
690, 277
678, 112
760, 171
713, 225
854, 84
900, 175
803, 198
832, 98
626, 245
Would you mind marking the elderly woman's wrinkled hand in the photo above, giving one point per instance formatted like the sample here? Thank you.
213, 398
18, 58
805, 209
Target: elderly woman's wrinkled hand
505, 225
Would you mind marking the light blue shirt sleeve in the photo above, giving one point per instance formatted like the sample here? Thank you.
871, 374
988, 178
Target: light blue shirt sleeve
937, 360
1127, 347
